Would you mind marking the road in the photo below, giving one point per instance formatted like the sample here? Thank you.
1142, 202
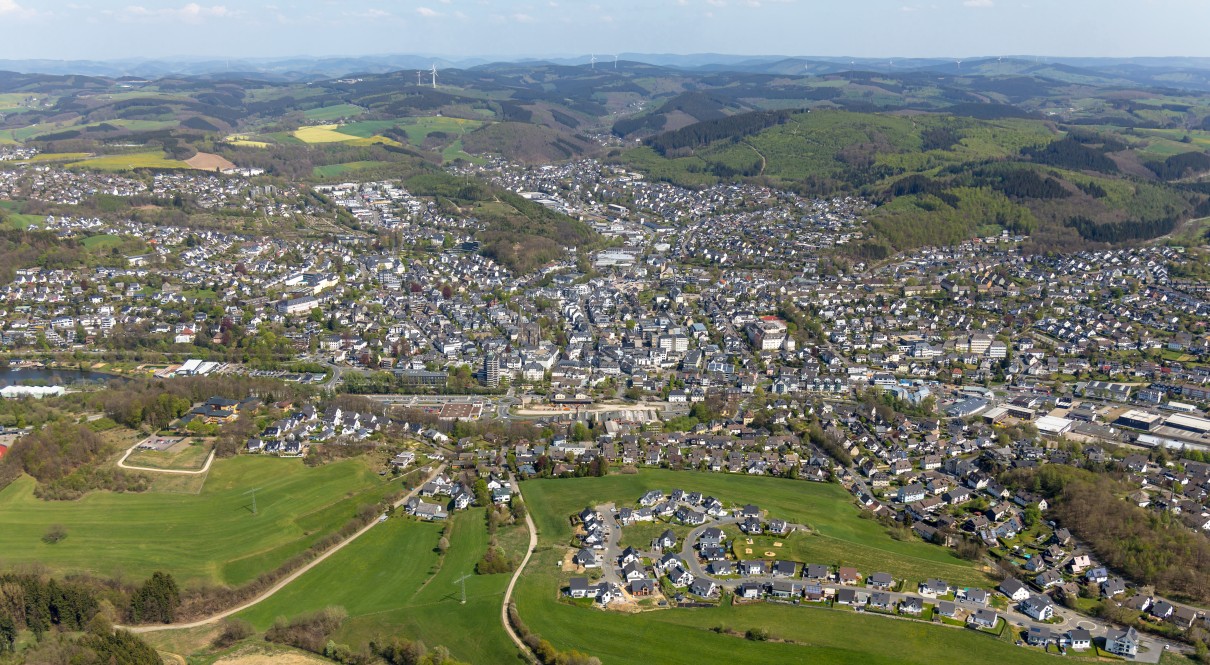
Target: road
508, 593
285, 581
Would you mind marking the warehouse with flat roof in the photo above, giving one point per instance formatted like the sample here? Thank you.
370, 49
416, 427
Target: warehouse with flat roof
1140, 420
1188, 423
1053, 425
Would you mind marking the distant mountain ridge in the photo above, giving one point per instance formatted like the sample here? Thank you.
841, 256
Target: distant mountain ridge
1177, 72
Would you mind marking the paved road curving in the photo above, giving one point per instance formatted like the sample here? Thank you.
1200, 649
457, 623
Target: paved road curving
508, 593
281, 584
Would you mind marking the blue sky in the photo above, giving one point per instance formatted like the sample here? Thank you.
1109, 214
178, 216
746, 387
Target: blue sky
101, 29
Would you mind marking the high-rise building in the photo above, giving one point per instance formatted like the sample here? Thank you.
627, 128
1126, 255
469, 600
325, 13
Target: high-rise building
491, 370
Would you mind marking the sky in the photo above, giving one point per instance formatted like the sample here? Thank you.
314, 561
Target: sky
117, 29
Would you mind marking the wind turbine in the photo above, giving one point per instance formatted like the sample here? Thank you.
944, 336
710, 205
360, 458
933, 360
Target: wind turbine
418, 73
959, 64
462, 581
592, 61
434, 76
615, 62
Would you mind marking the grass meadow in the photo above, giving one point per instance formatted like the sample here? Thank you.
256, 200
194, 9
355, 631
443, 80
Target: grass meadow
210, 537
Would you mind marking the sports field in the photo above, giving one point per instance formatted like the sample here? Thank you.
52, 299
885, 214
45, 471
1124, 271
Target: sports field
810, 634
393, 582
210, 537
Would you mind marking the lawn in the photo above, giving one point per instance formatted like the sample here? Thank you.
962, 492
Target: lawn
640, 534
815, 635
189, 455
103, 241
130, 161
392, 582
209, 537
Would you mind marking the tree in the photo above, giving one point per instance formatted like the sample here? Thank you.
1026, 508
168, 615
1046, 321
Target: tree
8, 634
482, 496
157, 599
1032, 515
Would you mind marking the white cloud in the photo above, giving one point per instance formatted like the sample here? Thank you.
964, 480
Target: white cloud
428, 12
10, 8
523, 18
979, 4
189, 13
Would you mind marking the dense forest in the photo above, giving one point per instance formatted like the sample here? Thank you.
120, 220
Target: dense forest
1070, 153
733, 128
56, 611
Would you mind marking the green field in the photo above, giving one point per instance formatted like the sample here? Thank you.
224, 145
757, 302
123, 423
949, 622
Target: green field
813, 635
19, 221
127, 162
392, 582
103, 241
337, 170
334, 112
211, 537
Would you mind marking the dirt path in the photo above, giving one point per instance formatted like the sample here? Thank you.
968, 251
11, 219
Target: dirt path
508, 593
205, 467
287, 579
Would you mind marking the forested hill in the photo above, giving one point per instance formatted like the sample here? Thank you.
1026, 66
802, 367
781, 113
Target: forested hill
1071, 153
942, 178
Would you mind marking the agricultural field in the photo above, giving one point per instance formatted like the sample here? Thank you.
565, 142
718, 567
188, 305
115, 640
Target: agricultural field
810, 634
337, 170
211, 537
392, 581
241, 139
322, 134
130, 161
334, 112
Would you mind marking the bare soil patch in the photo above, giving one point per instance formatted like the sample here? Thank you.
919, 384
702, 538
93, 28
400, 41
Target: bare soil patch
206, 161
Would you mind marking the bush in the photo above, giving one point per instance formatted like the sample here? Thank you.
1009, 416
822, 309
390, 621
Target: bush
233, 630
494, 561
757, 635
309, 631
54, 534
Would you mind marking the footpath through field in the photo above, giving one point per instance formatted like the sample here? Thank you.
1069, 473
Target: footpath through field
281, 584
508, 593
